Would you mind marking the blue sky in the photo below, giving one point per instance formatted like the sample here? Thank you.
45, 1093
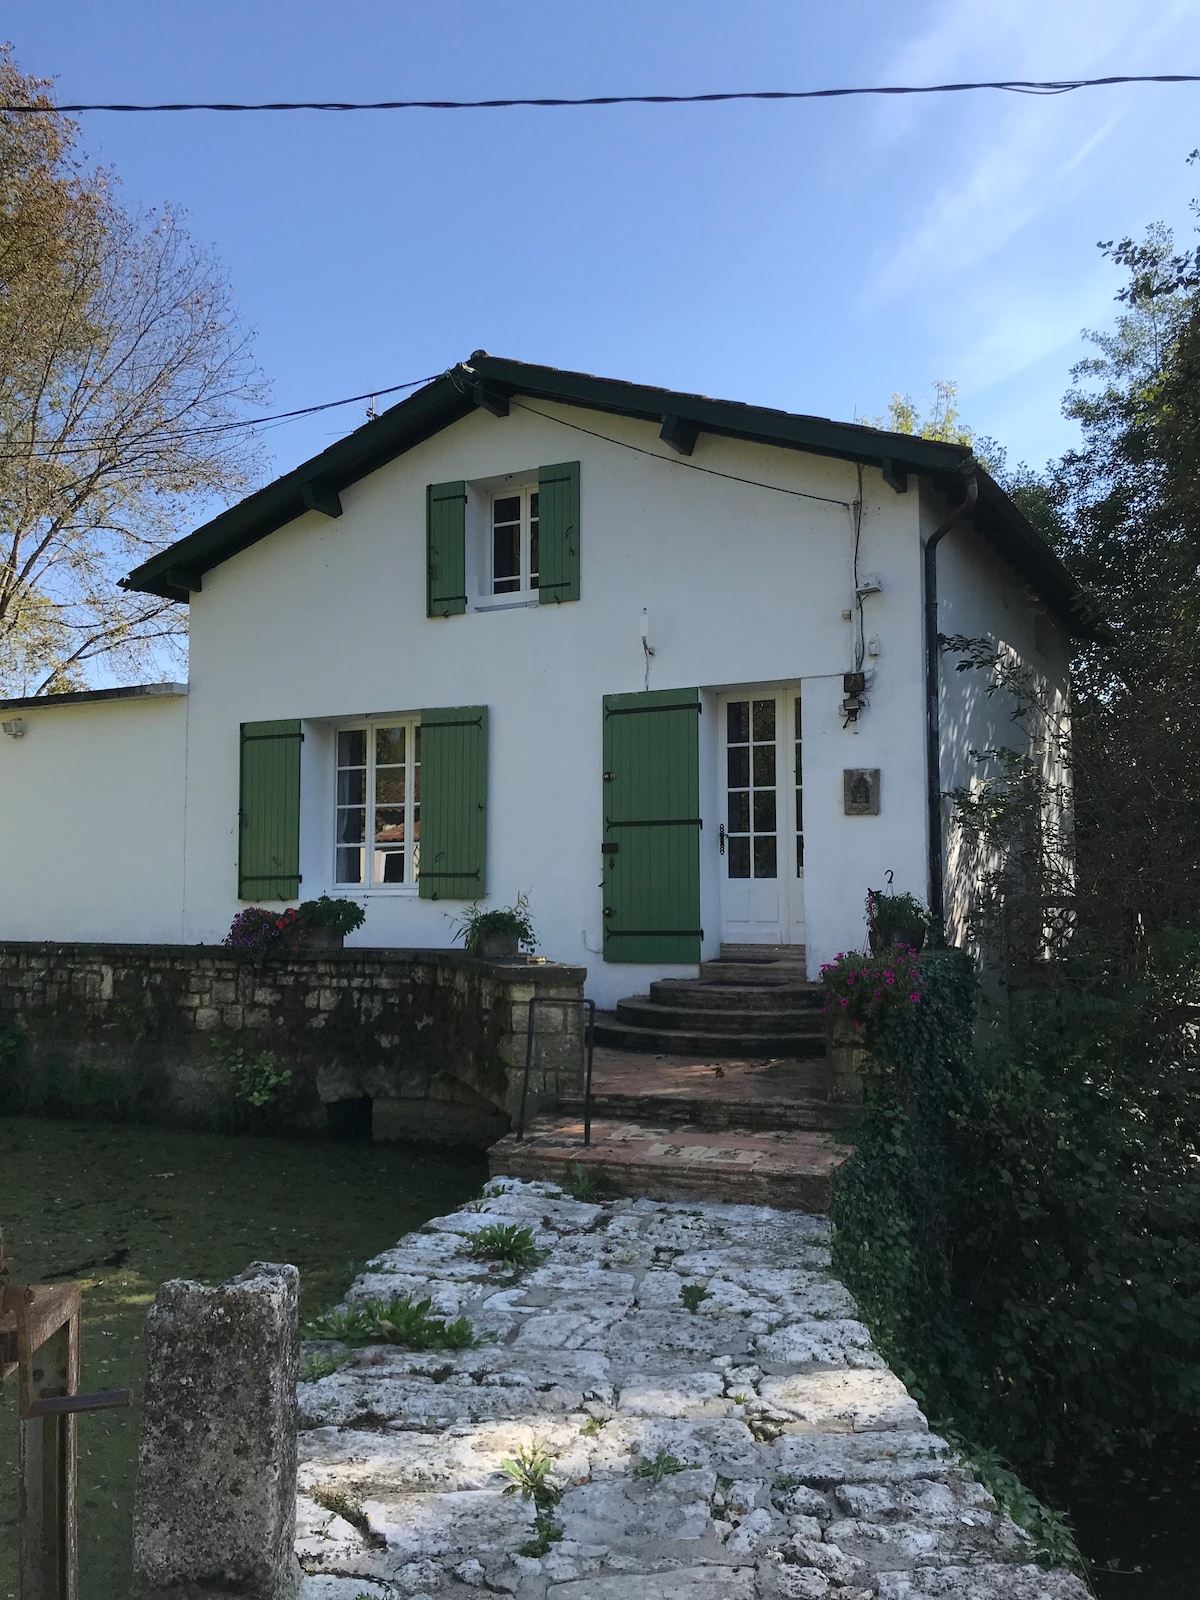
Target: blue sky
811, 256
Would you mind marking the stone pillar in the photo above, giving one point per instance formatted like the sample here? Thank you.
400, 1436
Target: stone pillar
215, 1508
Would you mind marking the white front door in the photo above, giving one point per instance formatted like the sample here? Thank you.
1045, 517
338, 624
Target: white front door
761, 833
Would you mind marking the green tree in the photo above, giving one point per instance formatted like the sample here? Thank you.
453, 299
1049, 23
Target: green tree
123, 378
941, 421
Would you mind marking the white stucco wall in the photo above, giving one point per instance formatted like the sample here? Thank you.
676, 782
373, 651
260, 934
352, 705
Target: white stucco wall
325, 620
981, 596
91, 821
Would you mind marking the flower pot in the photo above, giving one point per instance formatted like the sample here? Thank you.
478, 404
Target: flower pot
499, 946
914, 938
318, 939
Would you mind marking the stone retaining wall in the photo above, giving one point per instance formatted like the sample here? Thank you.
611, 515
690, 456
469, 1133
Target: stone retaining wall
434, 1040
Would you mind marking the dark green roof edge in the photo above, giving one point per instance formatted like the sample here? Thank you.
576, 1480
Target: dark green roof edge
176, 571
83, 697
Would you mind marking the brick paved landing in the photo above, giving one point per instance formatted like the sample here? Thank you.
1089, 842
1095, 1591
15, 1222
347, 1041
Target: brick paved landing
710, 1091
788, 1168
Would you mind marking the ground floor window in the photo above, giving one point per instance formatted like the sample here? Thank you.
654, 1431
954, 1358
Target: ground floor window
377, 827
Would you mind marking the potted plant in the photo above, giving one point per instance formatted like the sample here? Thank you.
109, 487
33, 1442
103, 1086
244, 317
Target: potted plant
895, 919
499, 934
323, 924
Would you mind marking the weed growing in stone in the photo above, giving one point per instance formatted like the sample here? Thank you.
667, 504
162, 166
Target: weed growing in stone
692, 1294
502, 1241
663, 1465
587, 1186
403, 1321
320, 1365
591, 1428
528, 1475
255, 1080
740, 1399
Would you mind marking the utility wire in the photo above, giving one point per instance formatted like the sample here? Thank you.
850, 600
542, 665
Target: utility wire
1006, 85
681, 461
157, 434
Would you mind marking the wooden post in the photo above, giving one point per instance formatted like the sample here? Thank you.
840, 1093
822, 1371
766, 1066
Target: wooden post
47, 1327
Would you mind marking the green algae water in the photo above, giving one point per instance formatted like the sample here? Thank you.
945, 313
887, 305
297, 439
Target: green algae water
121, 1209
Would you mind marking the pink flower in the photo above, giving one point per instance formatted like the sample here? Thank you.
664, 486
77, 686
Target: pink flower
879, 994
915, 998
888, 979
845, 1002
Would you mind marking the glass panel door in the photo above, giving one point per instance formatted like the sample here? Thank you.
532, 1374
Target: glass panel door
761, 834
752, 844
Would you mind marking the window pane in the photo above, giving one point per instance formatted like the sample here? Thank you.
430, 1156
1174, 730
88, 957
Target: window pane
764, 857
389, 746
349, 866
797, 719
764, 811
389, 786
506, 509
764, 720
739, 858
351, 825
799, 855
739, 812
800, 809
737, 721
533, 552
764, 764
739, 768
352, 786
352, 747
389, 824
506, 559
389, 866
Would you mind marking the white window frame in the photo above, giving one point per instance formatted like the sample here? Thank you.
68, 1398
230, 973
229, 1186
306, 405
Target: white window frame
526, 589
410, 886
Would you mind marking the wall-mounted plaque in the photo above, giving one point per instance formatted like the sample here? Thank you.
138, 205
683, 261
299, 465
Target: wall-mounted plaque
860, 791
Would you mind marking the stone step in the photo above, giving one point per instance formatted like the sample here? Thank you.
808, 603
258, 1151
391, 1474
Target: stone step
793, 1169
642, 1012
758, 974
795, 954
692, 994
610, 1030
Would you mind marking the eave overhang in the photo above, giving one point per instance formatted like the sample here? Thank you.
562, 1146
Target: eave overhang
492, 382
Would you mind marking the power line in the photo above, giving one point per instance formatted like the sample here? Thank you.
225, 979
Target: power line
1005, 85
156, 435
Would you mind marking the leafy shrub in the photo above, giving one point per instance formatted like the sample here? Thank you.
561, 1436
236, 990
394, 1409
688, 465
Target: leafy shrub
402, 1321
337, 914
1021, 1225
259, 930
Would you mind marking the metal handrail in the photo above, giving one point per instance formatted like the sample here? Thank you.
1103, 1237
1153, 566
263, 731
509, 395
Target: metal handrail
589, 1040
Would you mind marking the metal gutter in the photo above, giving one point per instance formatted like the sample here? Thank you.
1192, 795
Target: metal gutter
933, 746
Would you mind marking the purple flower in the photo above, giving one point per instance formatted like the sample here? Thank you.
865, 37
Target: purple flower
845, 1002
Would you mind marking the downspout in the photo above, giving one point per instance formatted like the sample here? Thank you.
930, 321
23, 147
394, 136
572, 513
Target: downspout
933, 749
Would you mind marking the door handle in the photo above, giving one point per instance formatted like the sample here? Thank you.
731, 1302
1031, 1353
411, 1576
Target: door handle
721, 837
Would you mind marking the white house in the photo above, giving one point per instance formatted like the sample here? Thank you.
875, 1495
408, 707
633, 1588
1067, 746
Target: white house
663, 663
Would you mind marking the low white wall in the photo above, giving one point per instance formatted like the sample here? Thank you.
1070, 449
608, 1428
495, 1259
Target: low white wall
91, 821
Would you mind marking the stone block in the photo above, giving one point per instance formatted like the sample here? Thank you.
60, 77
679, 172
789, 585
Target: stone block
207, 1018
215, 1507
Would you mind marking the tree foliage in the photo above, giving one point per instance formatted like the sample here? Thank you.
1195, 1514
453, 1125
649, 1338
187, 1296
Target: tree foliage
123, 378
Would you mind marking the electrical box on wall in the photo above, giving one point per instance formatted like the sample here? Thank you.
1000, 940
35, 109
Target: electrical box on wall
860, 791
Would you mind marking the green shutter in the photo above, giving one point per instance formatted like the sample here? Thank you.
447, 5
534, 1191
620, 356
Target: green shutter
269, 814
652, 822
445, 549
558, 533
453, 831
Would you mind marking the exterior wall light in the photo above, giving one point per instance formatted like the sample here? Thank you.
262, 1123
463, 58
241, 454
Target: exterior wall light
14, 728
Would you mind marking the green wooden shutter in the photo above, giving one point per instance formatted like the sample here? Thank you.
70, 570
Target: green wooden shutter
269, 813
558, 533
652, 826
445, 549
453, 832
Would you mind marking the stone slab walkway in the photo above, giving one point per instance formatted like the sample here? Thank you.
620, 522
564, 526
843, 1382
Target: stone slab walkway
711, 1091
716, 1424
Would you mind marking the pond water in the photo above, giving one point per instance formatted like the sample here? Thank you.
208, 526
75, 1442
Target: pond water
121, 1209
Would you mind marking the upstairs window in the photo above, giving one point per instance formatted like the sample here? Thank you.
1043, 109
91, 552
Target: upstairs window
514, 542
377, 830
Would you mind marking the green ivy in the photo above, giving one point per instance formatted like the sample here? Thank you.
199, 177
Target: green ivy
1020, 1222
